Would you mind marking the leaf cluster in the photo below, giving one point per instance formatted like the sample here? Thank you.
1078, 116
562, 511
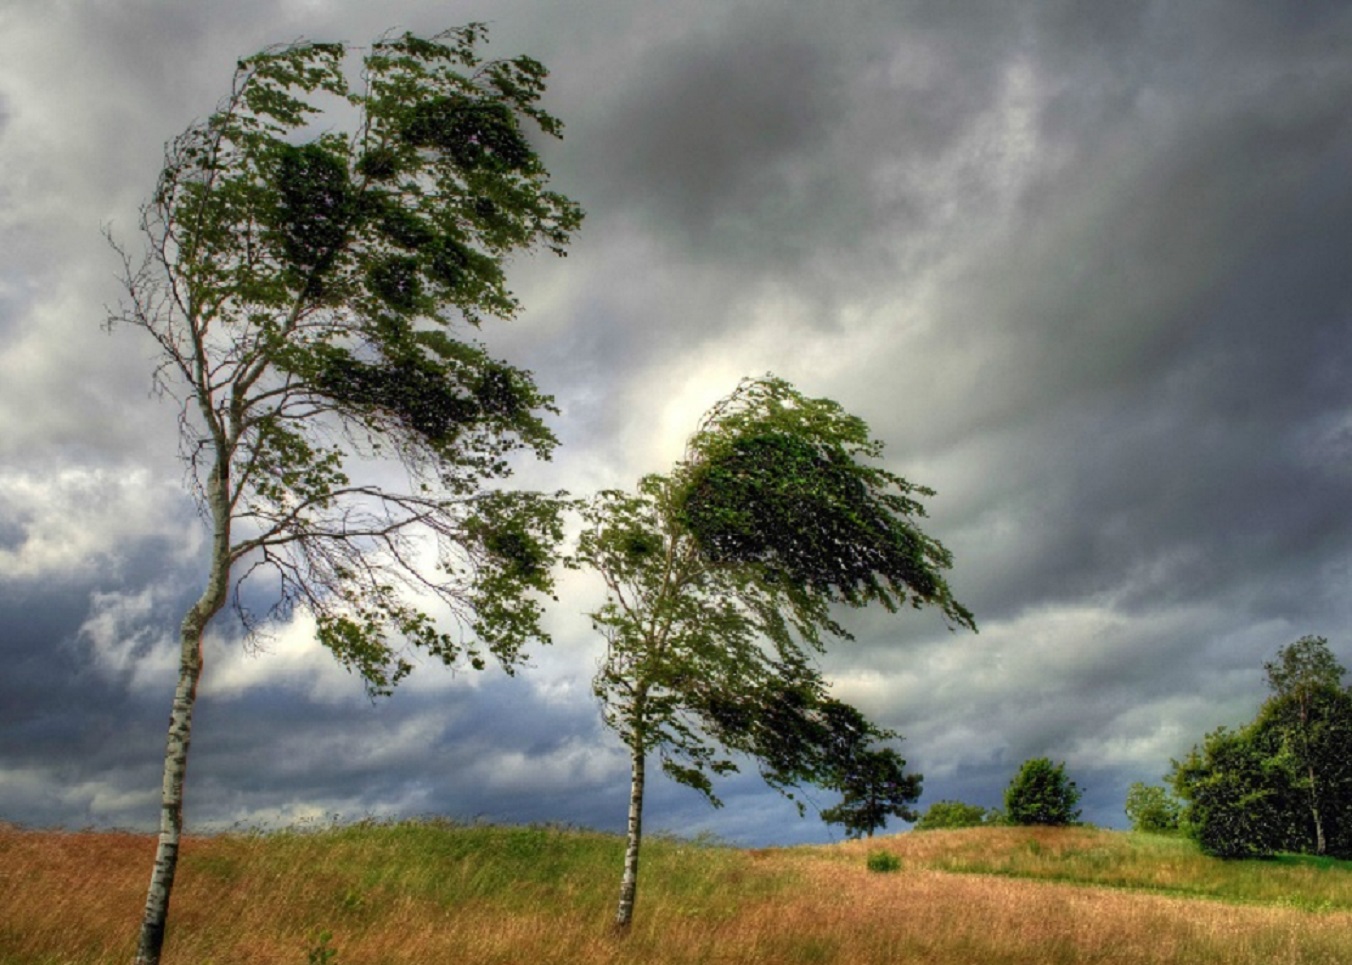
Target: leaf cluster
311, 246
1151, 809
788, 485
954, 814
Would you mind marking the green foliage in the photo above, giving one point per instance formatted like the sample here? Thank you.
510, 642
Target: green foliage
952, 814
1304, 668
1311, 714
874, 786
1238, 801
709, 642
322, 953
785, 484
1041, 793
1283, 782
1150, 809
301, 280
710, 629
883, 862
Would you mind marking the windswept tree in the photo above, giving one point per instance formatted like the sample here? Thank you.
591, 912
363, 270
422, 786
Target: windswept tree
721, 581
302, 281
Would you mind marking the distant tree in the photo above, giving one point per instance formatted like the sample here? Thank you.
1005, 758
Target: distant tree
1150, 809
1312, 713
952, 814
1042, 794
873, 781
1283, 782
721, 579
299, 280
1238, 799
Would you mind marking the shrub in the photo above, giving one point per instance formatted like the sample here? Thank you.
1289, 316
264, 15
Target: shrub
952, 814
883, 861
1151, 809
1042, 794
1238, 802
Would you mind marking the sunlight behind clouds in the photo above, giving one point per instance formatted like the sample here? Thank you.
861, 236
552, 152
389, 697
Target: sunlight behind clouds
1081, 268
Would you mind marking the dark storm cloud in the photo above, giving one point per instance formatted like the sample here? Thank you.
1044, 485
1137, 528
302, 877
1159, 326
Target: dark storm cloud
1082, 267
69, 732
710, 141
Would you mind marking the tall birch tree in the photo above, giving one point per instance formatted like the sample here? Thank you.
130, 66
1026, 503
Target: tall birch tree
721, 580
314, 251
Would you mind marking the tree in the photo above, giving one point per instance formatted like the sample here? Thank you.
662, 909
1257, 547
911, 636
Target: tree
874, 787
1283, 782
952, 814
1237, 798
300, 283
1042, 794
1310, 710
1150, 809
720, 580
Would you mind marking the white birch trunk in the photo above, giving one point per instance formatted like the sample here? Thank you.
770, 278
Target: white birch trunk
180, 728
1319, 843
629, 882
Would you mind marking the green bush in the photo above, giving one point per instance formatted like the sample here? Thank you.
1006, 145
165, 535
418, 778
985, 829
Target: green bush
1238, 799
1151, 809
952, 814
1042, 794
883, 861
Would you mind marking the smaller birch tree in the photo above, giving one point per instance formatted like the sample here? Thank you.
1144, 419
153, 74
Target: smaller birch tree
720, 582
1310, 712
301, 282
1282, 782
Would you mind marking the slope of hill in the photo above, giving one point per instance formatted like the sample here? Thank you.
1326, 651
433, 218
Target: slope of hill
430, 892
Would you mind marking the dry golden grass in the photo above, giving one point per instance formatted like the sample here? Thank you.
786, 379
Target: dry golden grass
430, 894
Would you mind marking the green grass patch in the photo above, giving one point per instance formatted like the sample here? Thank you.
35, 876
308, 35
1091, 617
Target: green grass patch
1163, 864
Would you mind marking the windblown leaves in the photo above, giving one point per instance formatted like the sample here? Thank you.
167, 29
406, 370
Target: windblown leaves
783, 483
305, 279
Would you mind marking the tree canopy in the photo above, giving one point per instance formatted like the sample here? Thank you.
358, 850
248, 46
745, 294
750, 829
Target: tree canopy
1150, 809
1042, 793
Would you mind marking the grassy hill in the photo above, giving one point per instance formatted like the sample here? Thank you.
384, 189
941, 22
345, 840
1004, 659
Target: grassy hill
431, 892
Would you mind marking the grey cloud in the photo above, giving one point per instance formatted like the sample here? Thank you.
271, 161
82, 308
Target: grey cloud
1086, 271
718, 128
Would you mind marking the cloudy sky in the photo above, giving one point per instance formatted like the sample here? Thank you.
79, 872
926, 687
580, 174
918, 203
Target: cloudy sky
1085, 268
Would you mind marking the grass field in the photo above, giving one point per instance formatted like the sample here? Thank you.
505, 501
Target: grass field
430, 892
